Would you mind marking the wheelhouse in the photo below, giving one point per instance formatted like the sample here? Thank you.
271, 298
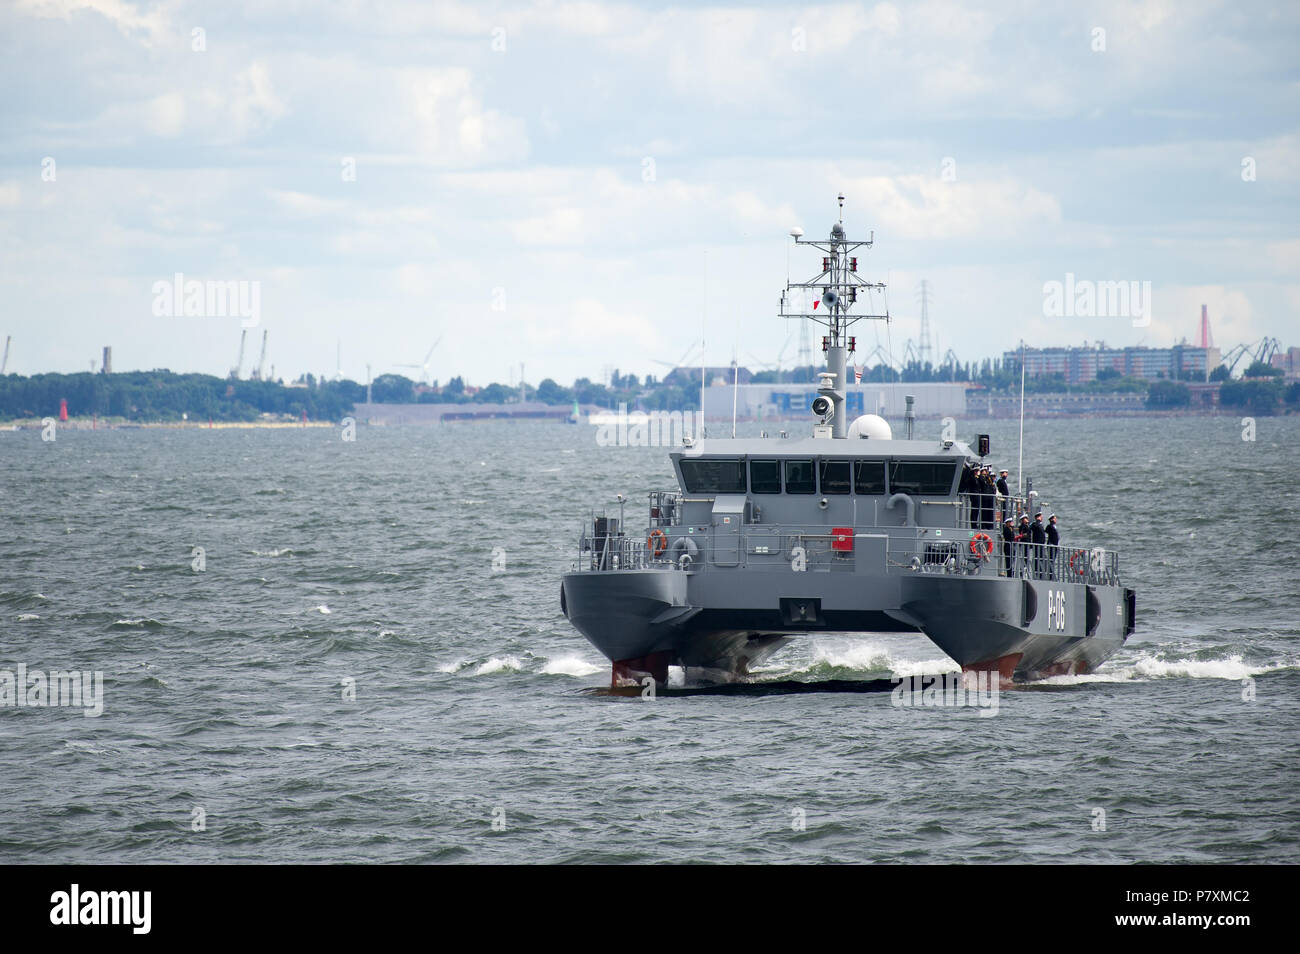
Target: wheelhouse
811, 474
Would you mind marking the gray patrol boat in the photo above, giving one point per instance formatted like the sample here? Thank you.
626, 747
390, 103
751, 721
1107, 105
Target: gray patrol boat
845, 531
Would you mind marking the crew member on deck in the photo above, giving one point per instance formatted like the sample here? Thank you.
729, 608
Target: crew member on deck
1053, 544
989, 509
1004, 505
1039, 537
1008, 544
1022, 545
967, 489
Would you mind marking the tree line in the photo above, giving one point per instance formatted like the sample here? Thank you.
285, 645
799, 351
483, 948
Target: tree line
161, 395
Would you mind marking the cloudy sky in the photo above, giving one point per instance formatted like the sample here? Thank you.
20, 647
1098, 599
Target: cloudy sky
580, 186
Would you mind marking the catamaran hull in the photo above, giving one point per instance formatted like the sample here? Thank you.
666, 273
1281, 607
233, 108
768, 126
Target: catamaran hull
719, 625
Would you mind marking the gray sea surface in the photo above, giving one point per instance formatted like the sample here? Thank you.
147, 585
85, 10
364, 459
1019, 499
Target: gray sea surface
351, 677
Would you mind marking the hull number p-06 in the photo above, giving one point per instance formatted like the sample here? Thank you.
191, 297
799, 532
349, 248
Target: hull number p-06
1056, 610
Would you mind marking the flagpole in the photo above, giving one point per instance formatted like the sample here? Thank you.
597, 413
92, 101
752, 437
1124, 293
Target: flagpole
735, 378
1020, 462
735, 395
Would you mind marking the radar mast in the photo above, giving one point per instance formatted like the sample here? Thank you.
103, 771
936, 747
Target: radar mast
827, 299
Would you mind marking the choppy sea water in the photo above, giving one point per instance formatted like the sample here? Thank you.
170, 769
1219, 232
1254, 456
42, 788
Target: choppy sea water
370, 565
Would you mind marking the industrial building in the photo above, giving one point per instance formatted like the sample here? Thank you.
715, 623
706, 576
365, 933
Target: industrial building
1288, 362
1182, 362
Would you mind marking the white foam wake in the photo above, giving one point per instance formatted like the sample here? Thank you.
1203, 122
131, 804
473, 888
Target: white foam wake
861, 655
570, 666
1148, 667
499, 664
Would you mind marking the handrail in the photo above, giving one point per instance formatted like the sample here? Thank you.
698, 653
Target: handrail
923, 553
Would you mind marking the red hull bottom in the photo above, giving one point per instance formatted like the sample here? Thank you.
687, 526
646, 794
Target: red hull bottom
1004, 666
630, 672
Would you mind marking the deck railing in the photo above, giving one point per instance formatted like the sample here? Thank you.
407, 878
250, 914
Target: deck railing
987, 511
1095, 565
814, 548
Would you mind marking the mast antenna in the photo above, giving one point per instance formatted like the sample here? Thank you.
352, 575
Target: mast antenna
704, 315
827, 299
923, 348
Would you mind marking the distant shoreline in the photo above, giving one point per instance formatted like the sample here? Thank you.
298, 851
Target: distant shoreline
80, 424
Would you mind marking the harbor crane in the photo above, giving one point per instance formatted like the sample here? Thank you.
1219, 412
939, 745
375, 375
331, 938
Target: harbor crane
259, 373
239, 363
1261, 351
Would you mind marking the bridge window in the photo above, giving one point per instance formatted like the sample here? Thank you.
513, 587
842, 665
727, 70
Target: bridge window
714, 476
835, 476
869, 476
800, 478
922, 477
765, 476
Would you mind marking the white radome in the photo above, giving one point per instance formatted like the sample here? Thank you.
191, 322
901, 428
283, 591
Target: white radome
871, 426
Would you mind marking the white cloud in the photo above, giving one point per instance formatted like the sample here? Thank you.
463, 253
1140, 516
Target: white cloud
1176, 315
254, 104
925, 207
302, 204
130, 22
448, 123
594, 326
1285, 256
562, 226
165, 115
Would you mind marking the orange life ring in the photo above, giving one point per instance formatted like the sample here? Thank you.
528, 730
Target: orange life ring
1082, 569
984, 551
657, 542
